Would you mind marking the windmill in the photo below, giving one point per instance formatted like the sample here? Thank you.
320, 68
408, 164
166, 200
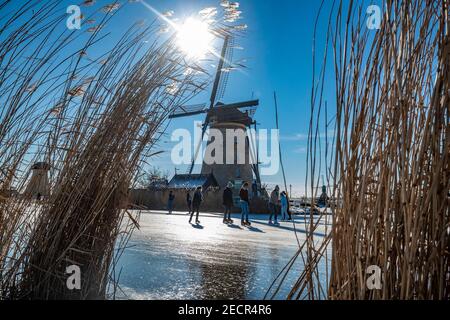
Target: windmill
39, 186
220, 116
322, 202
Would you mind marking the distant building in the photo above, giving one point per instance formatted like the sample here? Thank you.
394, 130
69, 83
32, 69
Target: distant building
192, 181
323, 200
39, 186
158, 184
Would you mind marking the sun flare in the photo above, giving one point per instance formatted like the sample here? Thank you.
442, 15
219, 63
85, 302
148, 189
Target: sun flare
194, 37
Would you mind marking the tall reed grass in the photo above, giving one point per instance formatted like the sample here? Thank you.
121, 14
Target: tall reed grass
95, 119
387, 164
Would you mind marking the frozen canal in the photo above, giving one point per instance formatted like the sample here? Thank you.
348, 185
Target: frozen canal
171, 259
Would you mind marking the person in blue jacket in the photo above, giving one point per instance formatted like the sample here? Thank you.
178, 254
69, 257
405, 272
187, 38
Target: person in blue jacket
284, 206
245, 205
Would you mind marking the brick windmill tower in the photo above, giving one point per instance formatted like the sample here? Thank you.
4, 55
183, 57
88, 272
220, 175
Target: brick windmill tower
233, 121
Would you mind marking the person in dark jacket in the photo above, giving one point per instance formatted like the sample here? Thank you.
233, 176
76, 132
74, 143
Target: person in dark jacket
170, 202
189, 201
196, 202
245, 205
274, 204
228, 203
255, 189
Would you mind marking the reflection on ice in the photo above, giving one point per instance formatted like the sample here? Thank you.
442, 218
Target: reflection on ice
170, 259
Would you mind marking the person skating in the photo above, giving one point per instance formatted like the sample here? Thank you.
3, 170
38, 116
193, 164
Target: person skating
255, 189
196, 202
170, 202
273, 204
245, 205
228, 203
284, 206
288, 207
189, 201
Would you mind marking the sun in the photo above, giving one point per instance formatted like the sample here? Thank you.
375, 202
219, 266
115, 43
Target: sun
194, 37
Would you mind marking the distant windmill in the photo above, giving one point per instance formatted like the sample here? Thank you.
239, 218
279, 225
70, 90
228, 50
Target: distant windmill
235, 116
322, 202
39, 186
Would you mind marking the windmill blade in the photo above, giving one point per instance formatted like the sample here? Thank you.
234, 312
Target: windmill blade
188, 111
223, 84
227, 65
197, 150
256, 165
240, 105
219, 72
254, 158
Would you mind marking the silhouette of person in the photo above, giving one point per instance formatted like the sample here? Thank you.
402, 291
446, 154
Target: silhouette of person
228, 203
196, 202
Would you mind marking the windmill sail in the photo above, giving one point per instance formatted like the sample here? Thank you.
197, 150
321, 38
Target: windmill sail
227, 65
187, 111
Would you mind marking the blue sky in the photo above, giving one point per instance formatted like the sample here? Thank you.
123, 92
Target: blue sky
278, 50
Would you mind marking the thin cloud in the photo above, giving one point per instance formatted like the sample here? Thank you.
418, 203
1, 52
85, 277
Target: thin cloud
304, 136
301, 150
